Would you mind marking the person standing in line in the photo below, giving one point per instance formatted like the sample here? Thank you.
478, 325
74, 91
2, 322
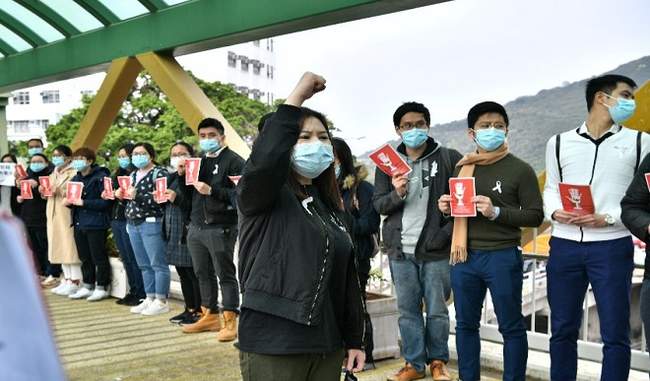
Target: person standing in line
9, 194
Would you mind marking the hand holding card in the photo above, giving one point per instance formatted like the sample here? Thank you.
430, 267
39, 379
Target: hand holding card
161, 190
73, 192
577, 199
462, 190
26, 190
192, 168
108, 194
389, 161
44, 182
124, 182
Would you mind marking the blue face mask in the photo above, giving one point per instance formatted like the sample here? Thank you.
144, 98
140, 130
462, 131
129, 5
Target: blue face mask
622, 110
140, 161
337, 170
58, 161
37, 167
124, 162
489, 138
311, 159
209, 145
415, 137
34, 151
79, 164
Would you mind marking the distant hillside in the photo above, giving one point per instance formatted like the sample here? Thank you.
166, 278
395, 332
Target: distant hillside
534, 119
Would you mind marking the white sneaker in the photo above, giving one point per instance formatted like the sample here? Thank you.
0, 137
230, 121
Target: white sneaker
98, 295
142, 306
70, 289
81, 293
59, 288
156, 308
49, 281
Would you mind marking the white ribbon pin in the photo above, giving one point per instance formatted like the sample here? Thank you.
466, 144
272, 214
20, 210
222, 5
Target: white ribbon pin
498, 187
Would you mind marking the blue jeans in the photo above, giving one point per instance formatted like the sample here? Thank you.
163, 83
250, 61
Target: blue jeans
608, 266
417, 282
500, 271
149, 248
123, 243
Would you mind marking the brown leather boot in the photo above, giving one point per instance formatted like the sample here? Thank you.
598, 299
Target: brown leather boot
439, 371
407, 373
229, 330
207, 322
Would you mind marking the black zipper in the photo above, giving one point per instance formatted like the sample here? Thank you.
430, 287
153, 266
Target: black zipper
324, 265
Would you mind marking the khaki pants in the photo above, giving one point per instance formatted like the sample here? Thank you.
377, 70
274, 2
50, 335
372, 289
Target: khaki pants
307, 367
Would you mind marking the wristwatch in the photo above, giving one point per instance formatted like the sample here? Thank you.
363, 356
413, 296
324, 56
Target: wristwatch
609, 219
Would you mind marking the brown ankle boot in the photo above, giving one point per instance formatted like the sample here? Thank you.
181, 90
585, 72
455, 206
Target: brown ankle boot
229, 330
207, 322
439, 371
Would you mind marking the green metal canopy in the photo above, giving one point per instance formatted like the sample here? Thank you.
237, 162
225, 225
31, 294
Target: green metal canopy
48, 40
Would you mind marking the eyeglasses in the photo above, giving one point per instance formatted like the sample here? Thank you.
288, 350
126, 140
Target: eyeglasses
498, 126
410, 126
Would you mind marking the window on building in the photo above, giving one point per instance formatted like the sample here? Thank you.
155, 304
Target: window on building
21, 98
257, 66
232, 59
256, 43
244, 63
269, 71
87, 93
20, 126
50, 96
29, 126
243, 89
257, 94
271, 44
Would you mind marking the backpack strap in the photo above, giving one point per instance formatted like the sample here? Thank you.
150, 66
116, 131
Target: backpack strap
639, 134
557, 155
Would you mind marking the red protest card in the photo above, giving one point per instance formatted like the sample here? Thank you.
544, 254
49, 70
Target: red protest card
389, 161
161, 188
462, 190
124, 182
577, 199
108, 188
73, 191
44, 181
192, 167
235, 179
647, 180
20, 170
26, 190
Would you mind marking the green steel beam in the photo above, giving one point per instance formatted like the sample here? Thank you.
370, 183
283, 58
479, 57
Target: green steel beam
153, 5
21, 29
99, 11
189, 27
6, 49
50, 16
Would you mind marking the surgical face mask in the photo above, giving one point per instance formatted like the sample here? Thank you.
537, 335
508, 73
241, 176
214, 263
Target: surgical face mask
311, 159
489, 138
34, 150
337, 170
209, 145
58, 161
175, 160
79, 164
415, 137
140, 161
37, 167
124, 162
622, 110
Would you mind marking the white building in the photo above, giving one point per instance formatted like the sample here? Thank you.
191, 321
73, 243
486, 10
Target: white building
249, 67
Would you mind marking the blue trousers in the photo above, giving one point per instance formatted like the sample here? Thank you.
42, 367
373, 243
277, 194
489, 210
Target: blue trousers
416, 282
500, 271
608, 266
149, 248
123, 243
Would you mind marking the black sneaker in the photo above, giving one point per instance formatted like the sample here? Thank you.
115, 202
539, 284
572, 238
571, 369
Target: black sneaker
180, 317
124, 300
191, 318
129, 300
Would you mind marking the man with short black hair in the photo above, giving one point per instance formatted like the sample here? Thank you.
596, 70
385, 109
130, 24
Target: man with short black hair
34, 146
416, 239
213, 231
596, 248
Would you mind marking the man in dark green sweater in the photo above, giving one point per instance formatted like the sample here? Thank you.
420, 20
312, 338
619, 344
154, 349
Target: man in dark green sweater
485, 249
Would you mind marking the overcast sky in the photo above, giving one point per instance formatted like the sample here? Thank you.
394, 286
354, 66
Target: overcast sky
455, 54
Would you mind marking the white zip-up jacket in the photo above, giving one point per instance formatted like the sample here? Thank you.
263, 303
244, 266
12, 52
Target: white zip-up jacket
607, 164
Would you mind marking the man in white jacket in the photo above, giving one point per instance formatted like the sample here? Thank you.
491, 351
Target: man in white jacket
594, 248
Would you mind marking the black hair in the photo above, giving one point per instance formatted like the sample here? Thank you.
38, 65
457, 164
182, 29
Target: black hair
36, 140
149, 148
86, 152
344, 154
128, 147
605, 83
65, 150
211, 122
485, 108
326, 181
187, 146
9, 155
263, 119
411, 107
41, 155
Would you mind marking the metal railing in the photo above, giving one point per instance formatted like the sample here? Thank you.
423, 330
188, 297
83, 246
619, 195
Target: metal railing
534, 307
